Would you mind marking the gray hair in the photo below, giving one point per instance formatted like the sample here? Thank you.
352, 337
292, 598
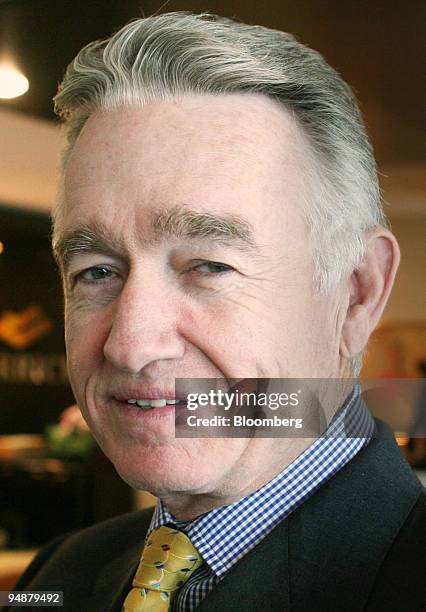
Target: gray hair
179, 53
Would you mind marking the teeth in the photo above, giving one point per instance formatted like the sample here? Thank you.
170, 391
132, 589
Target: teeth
152, 403
158, 403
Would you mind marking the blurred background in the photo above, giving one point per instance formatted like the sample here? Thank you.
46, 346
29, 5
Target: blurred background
52, 477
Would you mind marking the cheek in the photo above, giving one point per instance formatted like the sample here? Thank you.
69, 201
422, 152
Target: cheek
224, 335
85, 337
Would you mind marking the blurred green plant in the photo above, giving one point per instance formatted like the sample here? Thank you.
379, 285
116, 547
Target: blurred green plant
70, 438
72, 445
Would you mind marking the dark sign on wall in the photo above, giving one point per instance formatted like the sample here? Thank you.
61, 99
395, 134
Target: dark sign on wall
33, 379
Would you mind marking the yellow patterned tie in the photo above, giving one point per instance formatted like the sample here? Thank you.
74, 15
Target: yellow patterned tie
167, 561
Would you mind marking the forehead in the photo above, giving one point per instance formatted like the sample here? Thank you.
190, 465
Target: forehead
239, 154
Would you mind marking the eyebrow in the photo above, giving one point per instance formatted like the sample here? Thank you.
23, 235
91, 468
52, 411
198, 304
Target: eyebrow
85, 238
226, 230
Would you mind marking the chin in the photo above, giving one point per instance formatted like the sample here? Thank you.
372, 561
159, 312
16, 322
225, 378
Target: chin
162, 485
159, 472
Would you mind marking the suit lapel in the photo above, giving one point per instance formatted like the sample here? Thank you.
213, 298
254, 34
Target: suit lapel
340, 536
257, 583
114, 582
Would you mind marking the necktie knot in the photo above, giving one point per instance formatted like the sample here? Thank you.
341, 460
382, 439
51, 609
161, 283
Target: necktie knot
168, 560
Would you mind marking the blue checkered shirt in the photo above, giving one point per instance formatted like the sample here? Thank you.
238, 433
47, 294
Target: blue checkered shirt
224, 535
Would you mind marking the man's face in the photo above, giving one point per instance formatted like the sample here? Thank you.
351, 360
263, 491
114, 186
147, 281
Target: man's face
187, 257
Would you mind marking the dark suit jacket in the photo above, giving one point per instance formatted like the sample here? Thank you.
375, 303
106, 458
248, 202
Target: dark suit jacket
358, 543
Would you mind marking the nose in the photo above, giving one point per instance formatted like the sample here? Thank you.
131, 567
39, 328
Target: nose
144, 327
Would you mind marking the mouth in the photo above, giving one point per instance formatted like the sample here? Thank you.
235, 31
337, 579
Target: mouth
147, 409
150, 404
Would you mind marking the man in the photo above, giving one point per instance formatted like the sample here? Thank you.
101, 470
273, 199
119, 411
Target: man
220, 217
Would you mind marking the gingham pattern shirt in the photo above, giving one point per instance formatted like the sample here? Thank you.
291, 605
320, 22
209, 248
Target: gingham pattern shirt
224, 535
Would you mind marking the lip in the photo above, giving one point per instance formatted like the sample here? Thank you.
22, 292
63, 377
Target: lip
144, 392
135, 414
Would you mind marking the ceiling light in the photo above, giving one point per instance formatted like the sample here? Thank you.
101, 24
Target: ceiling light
12, 82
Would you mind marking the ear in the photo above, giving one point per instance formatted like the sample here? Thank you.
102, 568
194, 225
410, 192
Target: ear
369, 288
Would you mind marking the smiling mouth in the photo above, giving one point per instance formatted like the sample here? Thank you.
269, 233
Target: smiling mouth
149, 404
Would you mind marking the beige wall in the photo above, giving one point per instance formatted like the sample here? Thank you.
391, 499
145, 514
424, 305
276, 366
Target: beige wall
408, 299
29, 159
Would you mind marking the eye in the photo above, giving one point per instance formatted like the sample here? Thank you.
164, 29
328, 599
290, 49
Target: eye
95, 274
213, 268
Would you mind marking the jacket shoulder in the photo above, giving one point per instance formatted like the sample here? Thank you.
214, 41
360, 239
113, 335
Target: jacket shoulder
83, 553
401, 576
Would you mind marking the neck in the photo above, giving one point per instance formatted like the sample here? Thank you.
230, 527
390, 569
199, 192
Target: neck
187, 506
